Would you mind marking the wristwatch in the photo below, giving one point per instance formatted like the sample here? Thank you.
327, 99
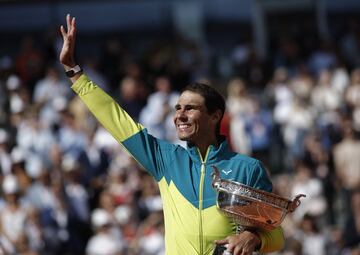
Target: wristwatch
73, 71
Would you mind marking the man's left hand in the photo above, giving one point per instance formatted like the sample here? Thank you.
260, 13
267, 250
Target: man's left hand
244, 243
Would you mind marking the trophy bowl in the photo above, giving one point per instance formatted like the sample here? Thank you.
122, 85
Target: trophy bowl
251, 208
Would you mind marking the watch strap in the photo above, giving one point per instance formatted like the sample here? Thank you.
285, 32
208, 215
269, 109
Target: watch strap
73, 71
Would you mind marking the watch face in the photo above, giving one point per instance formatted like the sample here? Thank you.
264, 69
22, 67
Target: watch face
70, 73
76, 69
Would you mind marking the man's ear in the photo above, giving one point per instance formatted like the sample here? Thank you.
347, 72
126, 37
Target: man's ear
216, 116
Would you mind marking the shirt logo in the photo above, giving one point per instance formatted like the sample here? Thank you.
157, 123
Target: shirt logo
226, 172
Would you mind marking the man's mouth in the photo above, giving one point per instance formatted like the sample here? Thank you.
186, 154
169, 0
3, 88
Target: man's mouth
183, 126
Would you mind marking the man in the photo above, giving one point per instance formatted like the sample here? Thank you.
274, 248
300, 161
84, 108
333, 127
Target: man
192, 221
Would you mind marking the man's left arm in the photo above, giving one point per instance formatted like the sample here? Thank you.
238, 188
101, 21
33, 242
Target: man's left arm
270, 240
264, 241
247, 242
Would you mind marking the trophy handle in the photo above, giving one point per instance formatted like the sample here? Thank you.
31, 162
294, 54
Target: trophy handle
216, 177
295, 203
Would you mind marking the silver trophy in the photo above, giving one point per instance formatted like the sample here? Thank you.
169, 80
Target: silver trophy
250, 208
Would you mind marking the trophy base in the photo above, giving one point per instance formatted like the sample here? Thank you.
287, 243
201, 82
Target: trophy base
221, 250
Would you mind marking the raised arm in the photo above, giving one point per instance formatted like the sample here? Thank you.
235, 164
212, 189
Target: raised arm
132, 135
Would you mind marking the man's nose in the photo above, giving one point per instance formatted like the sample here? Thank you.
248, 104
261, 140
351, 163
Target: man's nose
181, 114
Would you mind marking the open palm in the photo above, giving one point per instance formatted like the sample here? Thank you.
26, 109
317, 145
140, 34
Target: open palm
67, 51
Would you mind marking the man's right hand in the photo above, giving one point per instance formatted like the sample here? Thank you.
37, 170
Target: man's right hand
67, 52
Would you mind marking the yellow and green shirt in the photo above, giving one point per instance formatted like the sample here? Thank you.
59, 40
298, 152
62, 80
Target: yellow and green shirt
192, 221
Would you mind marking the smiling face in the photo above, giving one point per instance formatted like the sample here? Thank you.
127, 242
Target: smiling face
193, 122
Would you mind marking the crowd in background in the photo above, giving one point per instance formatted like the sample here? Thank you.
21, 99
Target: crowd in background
67, 187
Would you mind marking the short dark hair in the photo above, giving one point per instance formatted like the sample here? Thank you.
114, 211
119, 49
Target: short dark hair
213, 99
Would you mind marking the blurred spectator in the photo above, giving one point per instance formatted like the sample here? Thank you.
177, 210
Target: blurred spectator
157, 115
77, 204
302, 85
292, 247
313, 241
305, 183
18, 95
83, 118
238, 105
150, 200
318, 160
112, 61
29, 63
258, 126
240, 56
34, 137
130, 96
288, 55
38, 194
323, 58
122, 185
340, 80
324, 96
349, 44
71, 138
128, 224
295, 124
22, 167
281, 94
238, 101
351, 232
90, 66
5, 160
315, 155
54, 218
94, 161
347, 158
151, 236
133, 70
352, 95
13, 219
256, 71
50, 94
103, 242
